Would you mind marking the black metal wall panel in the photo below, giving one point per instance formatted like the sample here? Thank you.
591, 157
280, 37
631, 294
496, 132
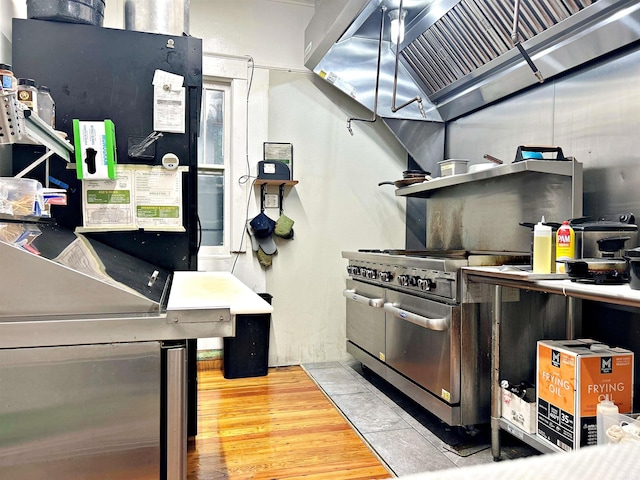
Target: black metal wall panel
98, 73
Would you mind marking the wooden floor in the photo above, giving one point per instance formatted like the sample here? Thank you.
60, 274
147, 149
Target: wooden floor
280, 426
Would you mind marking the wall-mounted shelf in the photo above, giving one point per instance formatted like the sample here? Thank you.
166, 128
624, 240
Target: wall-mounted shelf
279, 183
19, 125
425, 189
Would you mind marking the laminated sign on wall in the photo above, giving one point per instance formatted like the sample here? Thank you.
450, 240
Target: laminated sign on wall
140, 197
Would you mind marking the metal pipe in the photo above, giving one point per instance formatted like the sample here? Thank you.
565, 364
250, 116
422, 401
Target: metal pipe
375, 99
418, 99
495, 372
515, 37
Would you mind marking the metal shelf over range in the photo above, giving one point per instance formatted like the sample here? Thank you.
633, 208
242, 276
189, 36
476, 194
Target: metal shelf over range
570, 168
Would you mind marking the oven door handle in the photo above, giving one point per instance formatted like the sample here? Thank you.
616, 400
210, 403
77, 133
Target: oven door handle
356, 297
437, 324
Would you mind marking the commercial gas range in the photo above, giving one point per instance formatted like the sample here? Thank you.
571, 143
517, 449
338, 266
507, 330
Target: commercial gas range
406, 323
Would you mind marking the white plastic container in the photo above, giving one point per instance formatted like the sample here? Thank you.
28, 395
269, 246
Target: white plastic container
18, 196
453, 167
542, 248
46, 106
606, 416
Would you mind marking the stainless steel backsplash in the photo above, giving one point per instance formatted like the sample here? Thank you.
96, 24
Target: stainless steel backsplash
593, 114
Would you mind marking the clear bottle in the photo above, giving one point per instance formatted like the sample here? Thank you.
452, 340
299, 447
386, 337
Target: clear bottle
542, 247
28, 93
46, 106
565, 246
606, 416
8, 81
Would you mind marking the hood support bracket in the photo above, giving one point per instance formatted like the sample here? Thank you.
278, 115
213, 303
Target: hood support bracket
515, 37
418, 99
374, 116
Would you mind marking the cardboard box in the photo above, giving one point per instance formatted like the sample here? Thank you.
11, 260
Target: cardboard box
95, 149
518, 411
572, 377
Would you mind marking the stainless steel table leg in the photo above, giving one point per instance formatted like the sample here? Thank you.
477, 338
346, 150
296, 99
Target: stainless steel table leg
572, 314
495, 372
176, 414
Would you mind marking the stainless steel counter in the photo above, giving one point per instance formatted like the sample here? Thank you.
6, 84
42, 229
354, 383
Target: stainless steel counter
506, 276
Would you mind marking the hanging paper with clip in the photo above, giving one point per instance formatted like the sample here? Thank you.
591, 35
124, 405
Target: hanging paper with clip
169, 102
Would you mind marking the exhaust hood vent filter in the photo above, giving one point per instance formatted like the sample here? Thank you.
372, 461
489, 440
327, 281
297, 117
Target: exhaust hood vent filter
458, 55
475, 32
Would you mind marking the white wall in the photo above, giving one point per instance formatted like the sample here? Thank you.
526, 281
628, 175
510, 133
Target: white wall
337, 204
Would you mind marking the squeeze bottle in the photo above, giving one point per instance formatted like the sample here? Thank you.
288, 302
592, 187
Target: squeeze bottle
606, 416
565, 246
542, 246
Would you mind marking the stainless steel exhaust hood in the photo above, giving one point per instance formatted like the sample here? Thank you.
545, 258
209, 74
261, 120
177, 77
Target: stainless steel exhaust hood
458, 55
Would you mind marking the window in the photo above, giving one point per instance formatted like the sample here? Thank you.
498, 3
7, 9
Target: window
213, 159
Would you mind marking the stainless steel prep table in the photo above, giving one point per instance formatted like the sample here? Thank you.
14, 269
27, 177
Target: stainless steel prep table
500, 277
93, 357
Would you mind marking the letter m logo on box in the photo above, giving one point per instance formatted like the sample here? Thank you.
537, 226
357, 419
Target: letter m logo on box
555, 358
606, 365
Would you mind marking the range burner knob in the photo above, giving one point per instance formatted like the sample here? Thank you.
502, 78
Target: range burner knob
413, 281
403, 280
385, 276
426, 284
369, 273
353, 270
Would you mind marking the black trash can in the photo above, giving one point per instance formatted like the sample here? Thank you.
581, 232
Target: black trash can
247, 354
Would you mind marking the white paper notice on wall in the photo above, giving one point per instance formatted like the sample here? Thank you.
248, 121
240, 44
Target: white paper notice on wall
169, 104
141, 197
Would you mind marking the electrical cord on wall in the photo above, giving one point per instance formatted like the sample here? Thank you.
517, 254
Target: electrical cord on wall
245, 178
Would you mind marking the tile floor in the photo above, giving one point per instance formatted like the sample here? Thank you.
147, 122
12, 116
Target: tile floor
405, 436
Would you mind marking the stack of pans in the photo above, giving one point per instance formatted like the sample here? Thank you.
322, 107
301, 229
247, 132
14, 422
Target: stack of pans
409, 177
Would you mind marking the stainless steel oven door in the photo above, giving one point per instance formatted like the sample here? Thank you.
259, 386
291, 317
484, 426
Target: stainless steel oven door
365, 317
423, 343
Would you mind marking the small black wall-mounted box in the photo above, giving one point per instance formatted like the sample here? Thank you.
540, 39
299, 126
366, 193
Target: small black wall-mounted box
273, 170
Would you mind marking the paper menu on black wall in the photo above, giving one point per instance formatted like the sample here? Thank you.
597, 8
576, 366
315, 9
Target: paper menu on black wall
141, 197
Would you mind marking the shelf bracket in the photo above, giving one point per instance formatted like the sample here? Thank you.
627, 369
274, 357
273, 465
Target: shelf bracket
280, 183
263, 192
39, 131
281, 197
35, 163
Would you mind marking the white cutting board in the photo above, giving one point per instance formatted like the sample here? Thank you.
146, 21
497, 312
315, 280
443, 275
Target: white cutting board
204, 290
